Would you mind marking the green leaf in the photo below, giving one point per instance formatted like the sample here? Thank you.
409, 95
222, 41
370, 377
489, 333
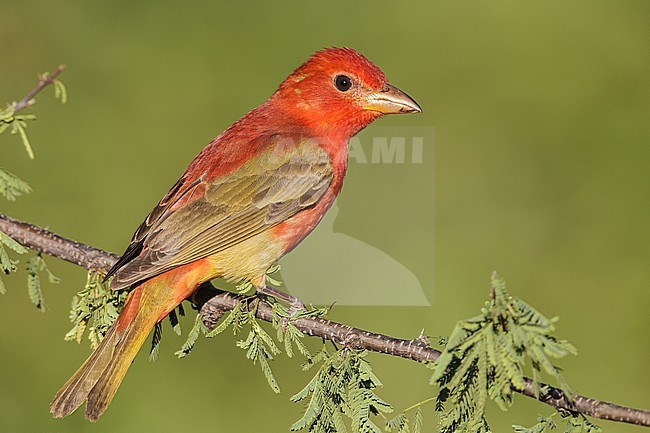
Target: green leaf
260, 347
18, 126
344, 385
7, 114
543, 425
34, 266
7, 264
292, 336
418, 420
287, 332
12, 244
11, 186
192, 336
94, 310
573, 423
234, 318
578, 423
244, 287
398, 424
275, 268
60, 91
486, 357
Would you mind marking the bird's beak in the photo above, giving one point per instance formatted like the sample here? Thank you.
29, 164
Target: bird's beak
391, 100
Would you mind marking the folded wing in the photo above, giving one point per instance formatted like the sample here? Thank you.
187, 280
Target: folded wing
200, 217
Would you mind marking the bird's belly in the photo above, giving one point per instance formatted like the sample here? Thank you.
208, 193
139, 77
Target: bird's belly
247, 260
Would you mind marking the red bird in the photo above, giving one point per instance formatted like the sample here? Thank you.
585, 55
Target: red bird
248, 198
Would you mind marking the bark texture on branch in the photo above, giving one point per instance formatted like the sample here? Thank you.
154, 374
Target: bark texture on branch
213, 303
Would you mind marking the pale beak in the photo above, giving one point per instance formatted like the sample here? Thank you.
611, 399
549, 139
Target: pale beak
391, 100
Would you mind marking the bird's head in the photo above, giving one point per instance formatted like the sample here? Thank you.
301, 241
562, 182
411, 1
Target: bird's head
338, 89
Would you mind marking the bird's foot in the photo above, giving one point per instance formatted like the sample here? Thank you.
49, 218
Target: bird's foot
296, 306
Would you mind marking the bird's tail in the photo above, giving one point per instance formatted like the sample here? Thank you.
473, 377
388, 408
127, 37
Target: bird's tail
99, 377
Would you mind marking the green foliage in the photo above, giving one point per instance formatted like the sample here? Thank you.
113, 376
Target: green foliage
7, 264
291, 336
398, 424
418, 420
34, 267
235, 318
287, 333
572, 424
543, 425
94, 309
485, 358
579, 424
60, 92
402, 424
247, 286
11, 186
271, 271
17, 123
259, 345
343, 386
197, 330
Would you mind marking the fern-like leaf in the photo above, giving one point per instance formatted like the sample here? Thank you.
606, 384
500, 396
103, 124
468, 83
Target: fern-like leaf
34, 267
94, 310
198, 329
486, 356
343, 386
11, 186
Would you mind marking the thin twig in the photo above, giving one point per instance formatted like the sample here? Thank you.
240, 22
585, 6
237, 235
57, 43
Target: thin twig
43, 81
213, 303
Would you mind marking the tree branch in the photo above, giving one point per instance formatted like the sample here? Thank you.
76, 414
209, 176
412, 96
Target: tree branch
43, 81
213, 303
44, 241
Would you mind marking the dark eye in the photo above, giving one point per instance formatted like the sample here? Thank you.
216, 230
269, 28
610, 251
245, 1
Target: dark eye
343, 83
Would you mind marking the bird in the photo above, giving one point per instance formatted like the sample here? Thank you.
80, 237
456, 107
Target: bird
247, 199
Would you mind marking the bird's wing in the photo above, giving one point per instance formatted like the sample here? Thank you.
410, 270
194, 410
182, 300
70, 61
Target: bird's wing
198, 217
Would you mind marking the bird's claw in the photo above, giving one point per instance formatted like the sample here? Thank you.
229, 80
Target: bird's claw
295, 307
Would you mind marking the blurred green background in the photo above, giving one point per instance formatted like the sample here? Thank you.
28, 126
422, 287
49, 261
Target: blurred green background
539, 170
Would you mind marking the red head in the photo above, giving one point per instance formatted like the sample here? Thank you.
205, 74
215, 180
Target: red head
338, 92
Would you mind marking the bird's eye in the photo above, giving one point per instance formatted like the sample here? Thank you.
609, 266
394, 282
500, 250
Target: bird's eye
343, 83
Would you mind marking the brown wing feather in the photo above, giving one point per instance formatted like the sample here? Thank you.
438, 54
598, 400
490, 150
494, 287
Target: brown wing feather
262, 193
179, 190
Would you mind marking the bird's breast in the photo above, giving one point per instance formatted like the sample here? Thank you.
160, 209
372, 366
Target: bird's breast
293, 230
